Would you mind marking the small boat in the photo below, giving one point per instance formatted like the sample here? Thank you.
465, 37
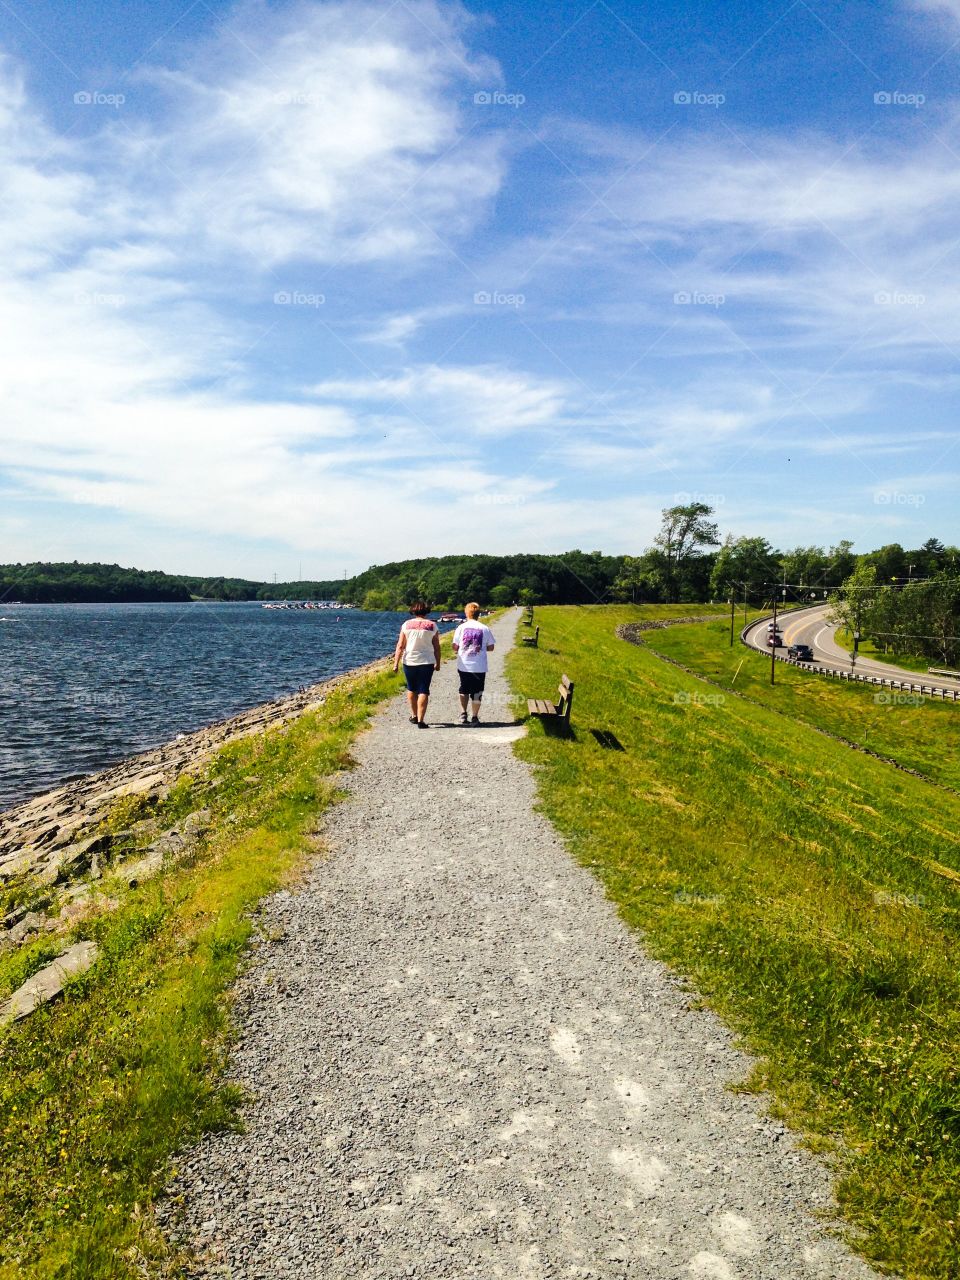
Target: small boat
451, 617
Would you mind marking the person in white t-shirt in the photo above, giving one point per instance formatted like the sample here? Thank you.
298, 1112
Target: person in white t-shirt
418, 646
472, 641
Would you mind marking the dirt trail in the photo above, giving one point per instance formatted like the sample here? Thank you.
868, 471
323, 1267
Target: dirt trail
463, 1065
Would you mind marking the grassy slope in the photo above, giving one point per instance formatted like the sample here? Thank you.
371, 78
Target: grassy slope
921, 733
806, 889
98, 1090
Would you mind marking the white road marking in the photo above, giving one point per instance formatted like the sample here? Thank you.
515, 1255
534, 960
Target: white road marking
736, 1235
566, 1046
633, 1095
645, 1172
710, 1266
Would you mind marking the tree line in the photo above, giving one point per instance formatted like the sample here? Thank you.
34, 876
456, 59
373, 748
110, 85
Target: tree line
688, 561
76, 583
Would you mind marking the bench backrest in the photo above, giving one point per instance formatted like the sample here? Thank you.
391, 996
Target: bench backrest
565, 690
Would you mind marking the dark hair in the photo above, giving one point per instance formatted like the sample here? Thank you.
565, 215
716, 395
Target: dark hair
419, 607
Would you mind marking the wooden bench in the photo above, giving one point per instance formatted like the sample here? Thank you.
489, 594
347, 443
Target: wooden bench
527, 619
532, 640
559, 710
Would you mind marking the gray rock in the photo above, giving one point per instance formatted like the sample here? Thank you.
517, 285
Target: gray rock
49, 982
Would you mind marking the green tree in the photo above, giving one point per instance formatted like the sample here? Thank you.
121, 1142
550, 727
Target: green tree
742, 561
684, 531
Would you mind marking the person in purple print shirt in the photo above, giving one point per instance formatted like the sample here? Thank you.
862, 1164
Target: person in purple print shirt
472, 641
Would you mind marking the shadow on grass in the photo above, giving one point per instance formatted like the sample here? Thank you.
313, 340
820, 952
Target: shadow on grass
609, 741
558, 727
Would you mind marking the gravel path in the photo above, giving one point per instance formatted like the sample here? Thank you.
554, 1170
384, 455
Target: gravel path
462, 1065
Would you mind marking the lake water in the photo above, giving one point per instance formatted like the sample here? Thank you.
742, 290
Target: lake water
83, 686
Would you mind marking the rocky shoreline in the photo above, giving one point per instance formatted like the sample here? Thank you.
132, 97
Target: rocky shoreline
55, 848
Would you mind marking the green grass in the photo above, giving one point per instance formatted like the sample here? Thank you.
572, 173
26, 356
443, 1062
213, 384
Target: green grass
810, 892
98, 1090
920, 733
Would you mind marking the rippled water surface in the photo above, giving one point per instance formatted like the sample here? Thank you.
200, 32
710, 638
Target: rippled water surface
82, 686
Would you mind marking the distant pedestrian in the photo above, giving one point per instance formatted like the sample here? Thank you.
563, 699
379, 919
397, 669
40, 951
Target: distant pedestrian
418, 647
472, 641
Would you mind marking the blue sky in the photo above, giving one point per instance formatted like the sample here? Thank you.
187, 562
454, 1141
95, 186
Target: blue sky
318, 284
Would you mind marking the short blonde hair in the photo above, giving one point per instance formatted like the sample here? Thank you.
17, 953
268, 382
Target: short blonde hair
471, 609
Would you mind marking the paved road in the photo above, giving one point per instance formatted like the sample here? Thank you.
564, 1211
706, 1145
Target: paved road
462, 1066
813, 627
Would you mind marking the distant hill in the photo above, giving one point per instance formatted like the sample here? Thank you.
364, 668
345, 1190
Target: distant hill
576, 577
76, 583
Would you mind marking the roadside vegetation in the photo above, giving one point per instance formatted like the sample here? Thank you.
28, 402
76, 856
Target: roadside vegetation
809, 892
100, 1089
919, 733
913, 620
868, 648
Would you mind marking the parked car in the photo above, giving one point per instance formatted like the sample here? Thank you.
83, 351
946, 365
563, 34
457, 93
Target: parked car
800, 653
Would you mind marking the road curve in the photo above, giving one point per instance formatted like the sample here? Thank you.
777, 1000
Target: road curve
813, 627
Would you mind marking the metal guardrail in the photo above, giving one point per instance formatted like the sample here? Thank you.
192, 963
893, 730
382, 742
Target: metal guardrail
859, 677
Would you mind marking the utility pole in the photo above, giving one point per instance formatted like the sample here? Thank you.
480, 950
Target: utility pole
856, 635
773, 646
733, 606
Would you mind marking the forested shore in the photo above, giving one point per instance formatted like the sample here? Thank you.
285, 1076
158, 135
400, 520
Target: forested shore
907, 599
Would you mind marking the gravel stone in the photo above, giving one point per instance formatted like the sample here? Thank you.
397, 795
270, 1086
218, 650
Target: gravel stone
462, 1064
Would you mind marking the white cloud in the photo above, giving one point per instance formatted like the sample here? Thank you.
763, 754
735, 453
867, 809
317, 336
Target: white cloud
943, 8
460, 402
318, 133
124, 379
790, 242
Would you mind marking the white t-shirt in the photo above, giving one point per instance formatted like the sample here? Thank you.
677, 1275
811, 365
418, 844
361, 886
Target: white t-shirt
474, 639
419, 647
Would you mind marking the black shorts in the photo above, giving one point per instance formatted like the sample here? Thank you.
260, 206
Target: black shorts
418, 678
471, 683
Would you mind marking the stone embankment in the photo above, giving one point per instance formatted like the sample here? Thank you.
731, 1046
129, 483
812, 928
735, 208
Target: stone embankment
56, 849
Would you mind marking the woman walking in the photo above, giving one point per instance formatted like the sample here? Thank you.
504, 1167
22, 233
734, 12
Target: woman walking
418, 647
